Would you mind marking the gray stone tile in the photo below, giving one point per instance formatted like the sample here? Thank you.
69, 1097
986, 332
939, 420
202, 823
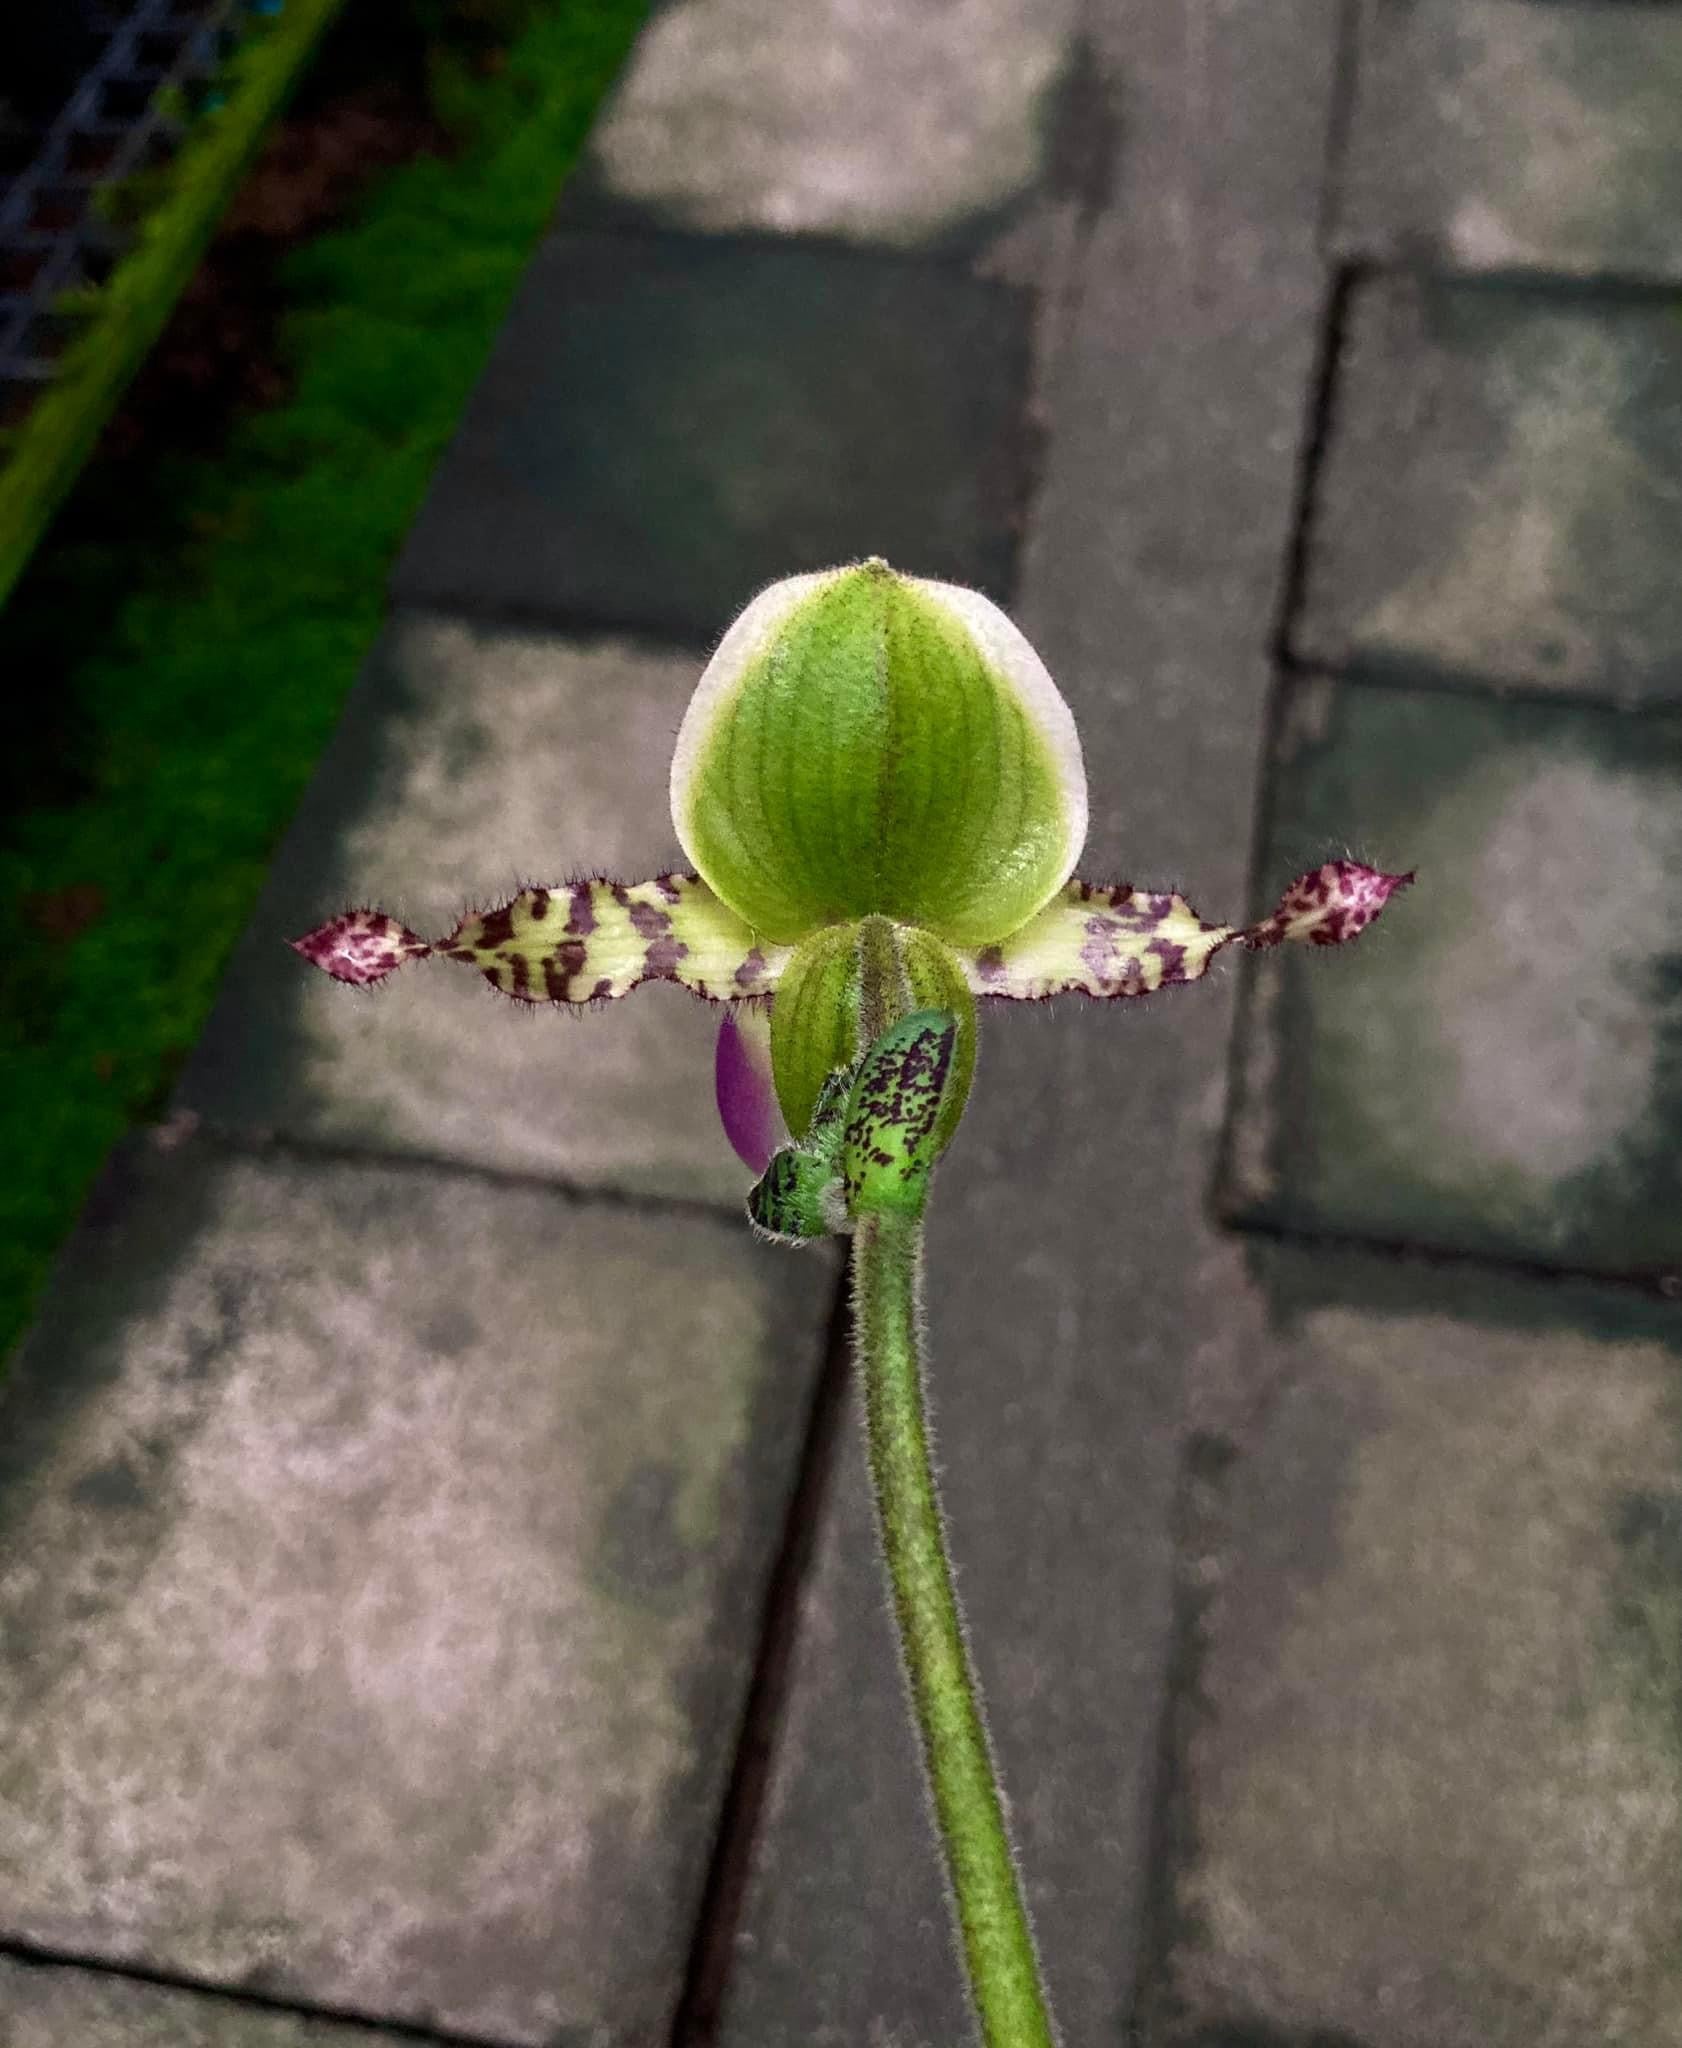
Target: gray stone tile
1435, 1773
1499, 1067
1507, 135
1074, 1277
470, 762
1502, 492
668, 424
380, 1557
45, 2006
895, 123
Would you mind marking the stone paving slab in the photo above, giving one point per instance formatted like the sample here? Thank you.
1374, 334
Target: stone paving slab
1501, 497
667, 424
43, 2006
893, 123
469, 762
1436, 1774
1073, 1273
1503, 1072
1510, 135
381, 1556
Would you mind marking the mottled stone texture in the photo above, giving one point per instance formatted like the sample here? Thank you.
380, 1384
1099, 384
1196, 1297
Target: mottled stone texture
42, 2006
1501, 1069
892, 122
381, 1554
1499, 494
1435, 1771
1073, 1273
470, 762
1508, 135
667, 425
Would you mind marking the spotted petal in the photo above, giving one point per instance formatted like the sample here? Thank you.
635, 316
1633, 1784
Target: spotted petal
360, 947
579, 943
1332, 904
1123, 941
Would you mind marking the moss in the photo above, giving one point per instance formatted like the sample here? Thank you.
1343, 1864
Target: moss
185, 660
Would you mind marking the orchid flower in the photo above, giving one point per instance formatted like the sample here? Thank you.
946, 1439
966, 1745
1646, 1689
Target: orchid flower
863, 745
881, 796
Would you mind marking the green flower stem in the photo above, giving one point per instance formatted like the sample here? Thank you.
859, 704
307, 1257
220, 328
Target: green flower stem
997, 1945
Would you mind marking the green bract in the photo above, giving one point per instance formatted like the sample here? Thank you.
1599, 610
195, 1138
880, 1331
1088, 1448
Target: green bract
892, 1139
865, 742
876, 1131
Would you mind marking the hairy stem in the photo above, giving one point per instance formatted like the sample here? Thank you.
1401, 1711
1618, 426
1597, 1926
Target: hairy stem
994, 1936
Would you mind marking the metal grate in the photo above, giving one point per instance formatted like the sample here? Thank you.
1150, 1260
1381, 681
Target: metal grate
119, 119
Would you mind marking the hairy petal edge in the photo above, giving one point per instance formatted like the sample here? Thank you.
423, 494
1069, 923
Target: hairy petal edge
1121, 941
580, 942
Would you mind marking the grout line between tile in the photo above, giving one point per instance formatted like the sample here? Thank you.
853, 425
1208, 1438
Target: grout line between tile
724, 1898
1346, 72
1168, 1844
188, 1127
1656, 1285
32, 1955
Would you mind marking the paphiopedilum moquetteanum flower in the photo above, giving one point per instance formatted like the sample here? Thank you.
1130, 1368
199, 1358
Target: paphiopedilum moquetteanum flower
882, 797
877, 786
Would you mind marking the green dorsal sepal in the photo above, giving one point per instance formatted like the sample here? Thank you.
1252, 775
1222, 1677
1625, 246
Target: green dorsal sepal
894, 1128
866, 743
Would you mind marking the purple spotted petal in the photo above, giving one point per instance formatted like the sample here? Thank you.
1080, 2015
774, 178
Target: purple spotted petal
361, 947
1330, 906
1121, 941
747, 1101
580, 943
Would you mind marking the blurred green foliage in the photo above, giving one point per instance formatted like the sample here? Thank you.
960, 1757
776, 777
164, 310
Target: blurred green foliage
176, 661
172, 209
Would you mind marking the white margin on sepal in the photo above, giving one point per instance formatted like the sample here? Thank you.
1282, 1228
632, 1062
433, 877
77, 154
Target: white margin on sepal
723, 676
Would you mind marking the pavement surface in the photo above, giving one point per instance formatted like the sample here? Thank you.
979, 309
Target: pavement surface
438, 1601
